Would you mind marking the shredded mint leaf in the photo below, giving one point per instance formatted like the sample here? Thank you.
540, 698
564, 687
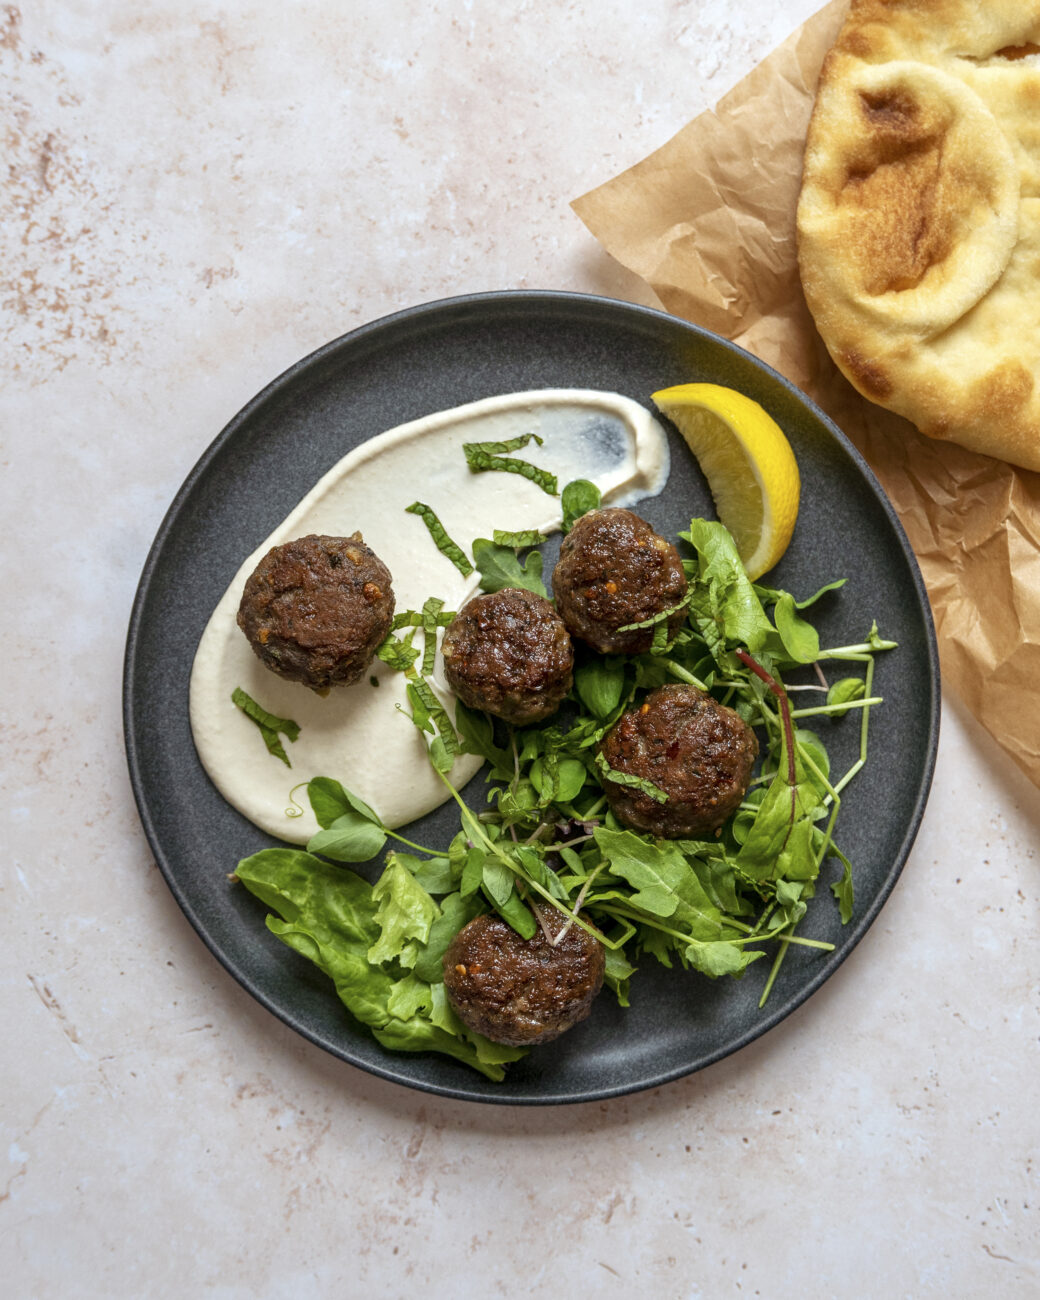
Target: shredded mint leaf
499, 567
661, 617
269, 724
520, 541
484, 456
440, 537
633, 782
399, 653
577, 499
430, 614
509, 445
435, 711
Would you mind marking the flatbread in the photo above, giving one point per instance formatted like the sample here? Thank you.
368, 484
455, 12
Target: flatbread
919, 216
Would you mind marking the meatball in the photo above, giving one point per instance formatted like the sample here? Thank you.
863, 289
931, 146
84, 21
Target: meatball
522, 991
699, 752
316, 609
615, 570
509, 654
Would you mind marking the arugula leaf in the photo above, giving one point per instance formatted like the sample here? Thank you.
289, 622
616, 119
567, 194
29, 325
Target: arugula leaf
577, 499
723, 603
716, 959
665, 883
472, 872
499, 567
617, 974
441, 540
498, 882
779, 842
269, 724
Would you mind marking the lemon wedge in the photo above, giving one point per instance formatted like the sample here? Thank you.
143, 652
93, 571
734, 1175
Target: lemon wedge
748, 463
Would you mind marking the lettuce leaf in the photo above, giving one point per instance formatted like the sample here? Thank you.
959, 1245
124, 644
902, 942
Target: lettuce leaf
362, 937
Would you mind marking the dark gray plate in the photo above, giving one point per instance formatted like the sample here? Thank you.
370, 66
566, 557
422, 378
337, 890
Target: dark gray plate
438, 356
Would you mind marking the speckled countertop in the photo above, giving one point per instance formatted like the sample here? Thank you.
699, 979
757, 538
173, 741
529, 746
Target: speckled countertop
196, 197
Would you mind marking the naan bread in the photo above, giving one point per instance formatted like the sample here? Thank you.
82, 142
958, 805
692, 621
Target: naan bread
919, 216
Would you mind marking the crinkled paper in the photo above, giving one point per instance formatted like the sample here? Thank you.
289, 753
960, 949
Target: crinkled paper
708, 221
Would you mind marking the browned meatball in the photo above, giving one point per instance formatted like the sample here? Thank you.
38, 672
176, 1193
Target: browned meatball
509, 654
522, 991
615, 570
316, 609
699, 752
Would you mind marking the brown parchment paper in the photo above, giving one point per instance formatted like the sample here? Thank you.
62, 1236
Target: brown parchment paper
708, 220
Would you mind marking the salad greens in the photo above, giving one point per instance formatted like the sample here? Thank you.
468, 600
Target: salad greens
542, 835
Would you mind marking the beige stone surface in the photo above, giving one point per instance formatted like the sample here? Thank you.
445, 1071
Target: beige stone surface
195, 197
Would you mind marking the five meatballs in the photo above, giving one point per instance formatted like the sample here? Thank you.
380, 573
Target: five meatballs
614, 570
522, 991
316, 609
509, 653
698, 752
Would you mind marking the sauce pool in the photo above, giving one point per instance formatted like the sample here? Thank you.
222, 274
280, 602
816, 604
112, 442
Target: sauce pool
357, 734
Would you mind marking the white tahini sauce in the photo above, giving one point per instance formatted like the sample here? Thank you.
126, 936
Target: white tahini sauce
355, 733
